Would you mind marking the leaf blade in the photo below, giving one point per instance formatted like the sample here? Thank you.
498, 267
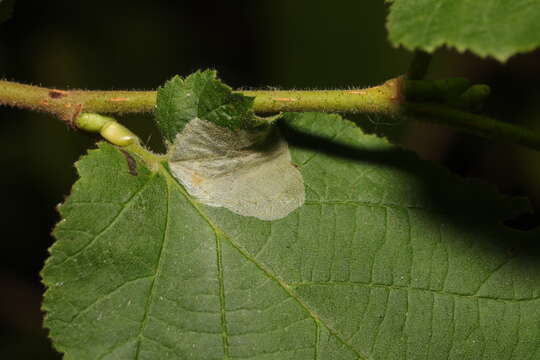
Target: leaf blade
389, 257
497, 29
200, 95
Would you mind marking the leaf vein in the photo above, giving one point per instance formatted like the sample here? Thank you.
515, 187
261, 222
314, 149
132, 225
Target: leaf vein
106, 297
156, 275
406, 288
262, 268
223, 317
109, 225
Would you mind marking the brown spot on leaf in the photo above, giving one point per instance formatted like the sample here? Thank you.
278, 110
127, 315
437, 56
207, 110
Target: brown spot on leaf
119, 99
131, 163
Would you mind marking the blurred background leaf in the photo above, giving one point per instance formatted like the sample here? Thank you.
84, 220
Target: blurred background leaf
6, 9
497, 29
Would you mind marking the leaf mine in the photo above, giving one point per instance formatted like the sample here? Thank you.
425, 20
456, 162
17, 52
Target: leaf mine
247, 171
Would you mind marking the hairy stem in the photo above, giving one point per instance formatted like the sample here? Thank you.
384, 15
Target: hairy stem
385, 99
67, 105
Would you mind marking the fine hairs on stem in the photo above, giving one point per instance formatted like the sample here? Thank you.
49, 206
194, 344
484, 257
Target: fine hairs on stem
386, 100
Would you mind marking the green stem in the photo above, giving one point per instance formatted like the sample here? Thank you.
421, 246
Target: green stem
384, 99
474, 123
67, 105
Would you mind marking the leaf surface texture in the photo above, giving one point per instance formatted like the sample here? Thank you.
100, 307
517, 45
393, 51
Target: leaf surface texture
496, 28
389, 258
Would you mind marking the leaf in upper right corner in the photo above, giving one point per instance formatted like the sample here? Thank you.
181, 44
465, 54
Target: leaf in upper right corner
498, 29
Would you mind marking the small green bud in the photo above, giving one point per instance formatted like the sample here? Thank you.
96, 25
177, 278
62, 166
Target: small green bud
444, 90
118, 134
111, 130
475, 95
452, 87
92, 122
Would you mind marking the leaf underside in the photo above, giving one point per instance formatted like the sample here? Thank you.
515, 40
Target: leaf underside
389, 258
487, 28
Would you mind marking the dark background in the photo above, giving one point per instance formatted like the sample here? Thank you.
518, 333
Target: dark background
253, 44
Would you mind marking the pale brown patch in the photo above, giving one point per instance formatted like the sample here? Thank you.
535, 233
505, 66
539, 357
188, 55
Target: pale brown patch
119, 99
196, 179
359, 92
248, 172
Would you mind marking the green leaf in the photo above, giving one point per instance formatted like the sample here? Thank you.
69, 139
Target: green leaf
389, 257
487, 28
200, 95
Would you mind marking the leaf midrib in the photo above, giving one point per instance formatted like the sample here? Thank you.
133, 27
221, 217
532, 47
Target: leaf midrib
219, 233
